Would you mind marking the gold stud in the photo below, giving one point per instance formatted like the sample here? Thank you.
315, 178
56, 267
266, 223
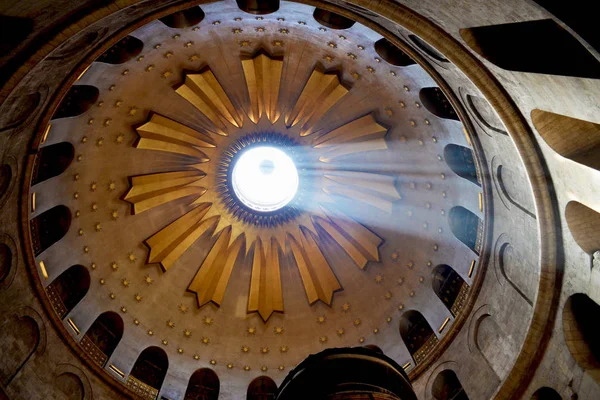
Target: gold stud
170, 324
94, 207
388, 295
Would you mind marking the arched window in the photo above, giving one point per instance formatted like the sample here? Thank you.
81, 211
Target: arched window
148, 373
584, 224
581, 317
450, 287
546, 393
19, 339
392, 54
69, 386
49, 227
446, 386
259, 7
203, 385
102, 338
575, 139
184, 18
126, 49
427, 49
78, 100
68, 289
332, 20
417, 335
467, 227
532, 46
262, 388
52, 161
461, 162
436, 102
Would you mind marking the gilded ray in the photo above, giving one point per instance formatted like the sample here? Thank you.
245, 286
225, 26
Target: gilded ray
266, 295
382, 185
263, 78
204, 91
358, 242
353, 148
168, 244
320, 93
163, 134
360, 130
212, 278
317, 277
149, 191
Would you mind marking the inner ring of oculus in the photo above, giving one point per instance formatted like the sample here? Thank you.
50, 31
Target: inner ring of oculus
265, 179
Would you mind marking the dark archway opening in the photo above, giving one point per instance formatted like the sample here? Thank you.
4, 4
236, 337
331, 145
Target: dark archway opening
203, 385
546, 393
332, 20
149, 371
450, 287
461, 162
78, 100
52, 161
446, 386
49, 227
466, 227
102, 338
417, 335
258, 7
126, 49
262, 388
68, 289
436, 102
391, 54
184, 18
581, 324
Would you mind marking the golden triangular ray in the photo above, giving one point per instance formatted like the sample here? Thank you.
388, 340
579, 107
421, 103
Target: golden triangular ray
317, 277
212, 278
263, 79
360, 130
266, 295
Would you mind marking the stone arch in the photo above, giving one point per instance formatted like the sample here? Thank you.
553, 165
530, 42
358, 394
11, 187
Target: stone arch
546, 393
507, 184
450, 287
52, 161
149, 371
68, 386
5, 178
102, 337
466, 227
19, 341
427, 49
86, 386
78, 100
203, 384
49, 227
184, 18
492, 345
417, 335
391, 54
8, 260
582, 330
447, 386
8, 177
461, 161
572, 138
436, 102
261, 388
67, 290
19, 108
258, 7
332, 20
584, 224
123, 51
531, 46
507, 265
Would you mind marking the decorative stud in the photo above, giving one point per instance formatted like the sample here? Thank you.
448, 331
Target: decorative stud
245, 349
76, 195
213, 362
370, 69
118, 103
280, 19
340, 331
417, 104
323, 339
112, 87
321, 319
208, 320
342, 37
278, 330
131, 257
401, 307
410, 264
114, 214
111, 186
393, 73
356, 75
125, 282
378, 278
388, 319
281, 368
246, 368
301, 23
428, 123
215, 23
125, 72
93, 265
98, 227
412, 122
167, 73
283, 349
244, 43
148, 280
86, 249
277, 43
411, 294
114, 266
157, 46
264, 350
237, 19
100, 103
170, 324
284, 31
140, 58
188, 44
183, 308
406, 88
180, 350
389, 111
400, 281
352, 56
360, 47
229, 366
264, 368
394, 256
322, 29
356, 322
112, 296
77, 214
76, 177
80, 157
251, 330
388, 295
136, 321
236, 30
84, 139
93, 186
260, 29
402, 104
102, 281
361, 339
377, 59
196, 357
176, 36
421, 279
165, 342
443, 176
168, 54
205, 340
259, 18
149, 68
346, 307
376, 331
80, 232
194, 57
328, 58
332, 45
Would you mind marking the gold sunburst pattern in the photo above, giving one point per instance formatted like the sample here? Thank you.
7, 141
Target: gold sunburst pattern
207, 156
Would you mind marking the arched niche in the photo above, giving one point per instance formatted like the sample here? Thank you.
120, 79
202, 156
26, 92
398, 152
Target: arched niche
417, 335
78, 100
581, 316
427, 49
546, 393
68, 289
572, 138
512, 268
203, 384
5, 261
184, 18
584, 224
103, 336
19, 340
125, 49
466, 227
484, 113
261, 388
391, 54
491, 342
69, 386
447, 386
5, 177
512, 187
149, 371
532, 46
332, 20
436, 102
258, 7
450, 287
49, 227
52, 161
461, 162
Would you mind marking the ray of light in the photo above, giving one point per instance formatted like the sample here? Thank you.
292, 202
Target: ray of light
263, 78
266, 296
204, 91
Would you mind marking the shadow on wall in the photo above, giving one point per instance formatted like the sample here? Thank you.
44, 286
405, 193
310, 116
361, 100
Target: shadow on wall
584, 224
